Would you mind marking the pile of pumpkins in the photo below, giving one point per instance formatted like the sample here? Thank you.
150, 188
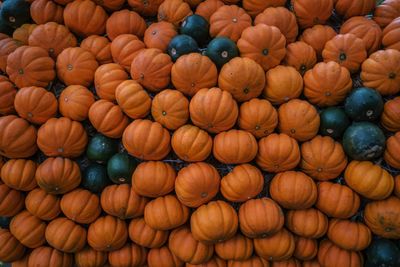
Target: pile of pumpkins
168, 133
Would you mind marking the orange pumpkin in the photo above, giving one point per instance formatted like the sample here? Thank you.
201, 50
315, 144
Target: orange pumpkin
81, 206
10, 248
197, 184
124, 49
43, 11
159, 34
17, 137
291, 262
376, 183
35, 104
386, 12
283, 83
306, 248
229, 21
170, 108
76, 66
63, 2
174, 11
152, 69
317, 36
144, 235
264, 44
146, 140
349, 235
133, 99
108, 118
129, 255
88, 257
391, 115
7, 45
65, 235
19, 174
210, 117
163, 257
208, 7
12, 201
125, 22
58, 175
312, 12
279, 17
242, 183
110, 5
48, 256
309, 223
237, 248
277, 247
381, 71
28, 229
301, 56
99, 46
391, 155
43, 205
30, 66
107, 78
348, 8
75, 101
254, 261
311, 263
332, 255
107, 233
7, 96
22, 33
213, 262
397, 186
293, 190
192, 72
145, 8
336, 200
214, 222
390, 35
255, 7
85, 18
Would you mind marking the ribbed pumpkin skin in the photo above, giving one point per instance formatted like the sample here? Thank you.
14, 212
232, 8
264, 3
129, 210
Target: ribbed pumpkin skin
336, 200
10, 248
11, 201
99, 46
71, 138
329, 253
278, 153
348, 8
260, 217
19, 174
110, 5
129, 255
397, 186
238, 248
28, 229
155, 146
153, 179
124, 49
317, 36
312, 12
349, 235
390, 35
277, 247
208, 7
195, 252
125, 21
386, 12
75, 101
391, 154
197, 184
310, 223
107, 233
8, 45
242, 183
254, 261
133, 99
145, 236
306, 248
174, 11
163, 257
81, 206
65, 235
213, 262
107, 78
43, 205
7, 96
376, 183
43, 11
58, 175
254, 7
159, 34
311, 263
88, 257
300, 56
48, 256
145, 8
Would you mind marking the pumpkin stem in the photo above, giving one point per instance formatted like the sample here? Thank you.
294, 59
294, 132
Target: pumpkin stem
392, 75
265, 52
342, 56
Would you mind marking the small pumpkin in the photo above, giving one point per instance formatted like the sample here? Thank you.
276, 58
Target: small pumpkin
12, 201
75, 102
43, 11
145, 8
19, 174
277, 247
300, 56
99, 46
129, 255
397, 186
306, 248
125, 22
213, 262
28, 229
22, 33
11, 248
7, 45
390, 36
310, 223
254, 261
317, 36
88, 257
349, 235
133, 99
386, 12
110, 5
107, 78
391, 155
348, 8
48, 256
208, 7
7, 96
254, 7
237, 248
43, 205
311, 263
173, 11
163, 257
329, 253
159, 35
144, 235
312, 12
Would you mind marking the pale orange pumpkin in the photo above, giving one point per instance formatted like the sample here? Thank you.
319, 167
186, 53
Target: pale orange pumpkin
133, 99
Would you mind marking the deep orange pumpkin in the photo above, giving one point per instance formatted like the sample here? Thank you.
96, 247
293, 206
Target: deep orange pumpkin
391, 38
159, 34
129, 255
43, 205
174, 11
254, 261
277, 247
208, 7
7, 45
22, 33
310, 223
145, 236
110, 5
124, 49
125, 22
301, 56
317, 36
391, 154
349, 235
19, 174
133, 99
237, 248
7, 96
12, 201
306, 248
75, 101
254, 7
48, 256
10, 248
145, 8
386, 12
107, 78
312, 12
88, 257
329, 253
99, 46
348, 8
43, 11
28, 229
391, 115
163, 257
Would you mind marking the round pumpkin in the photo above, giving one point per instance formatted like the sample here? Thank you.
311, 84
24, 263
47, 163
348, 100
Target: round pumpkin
48, 256
317, 36
173, 11
144, 235
390, 38
22, 33
349, 235
159, 34
43, 11
309, 223
348, 8
99, 46
208, 7
311, 263
213, 262
145, 8
312, 12
237, 248
306, 248
331, 255
7, 45
391, 155
43, 205
133, 99
254, 7
300, 56
7, 96
129, 255
10, 248
28, 229
277, 247
386, 12
397, 186
12, 201
19, 174
163, 257
125, 22
110, 5
75, 102
107, 78
254, 261
88, 257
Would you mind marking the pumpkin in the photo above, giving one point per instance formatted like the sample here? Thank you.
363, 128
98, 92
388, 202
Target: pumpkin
346, 49
386, 12
283, 83
213, 262
235, 147
208, 7
7, 96
99, 46
255, 7
7, 45
331, 255
264, 44
214, 222
12, 201
336, 200
58, 229
254, 261
124, 49
133, 99
165, 213
75, 101
145, 8
349, 235
63, 2
391, 155
43, 11
281, 18
197, 184
381, 72
162, 257
173, 11
195, 252
35, 104
159, 34
81, 206
309, 223
376, 184
277, 247
237, 248
397, 186
22, 33
260, 217
43, 205
291, 262
144, 235
192, 72
300, 56
365, 29
382, 218
17, 137
286, 190
85, 18
322, 158
317, 36
390, 38
191, 143
71, 138
129, 255
19, 174
229, 21
327, 84
110, 5
312, 12
211, 117
108, 118
156, 144
76, 66
125, 22
242, 183
48, 256
306, 248
30, 66
107, 78
11, 248
28, 229
107, 233
348, 8
88, 257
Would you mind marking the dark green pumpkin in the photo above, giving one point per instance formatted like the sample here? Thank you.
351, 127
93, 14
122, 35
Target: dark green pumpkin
181, 45
120, 168
197, 27
221, 50
383, 253
15, 12
101, 148
363, 141
364, 104
5, 222
334, 122
94, 178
